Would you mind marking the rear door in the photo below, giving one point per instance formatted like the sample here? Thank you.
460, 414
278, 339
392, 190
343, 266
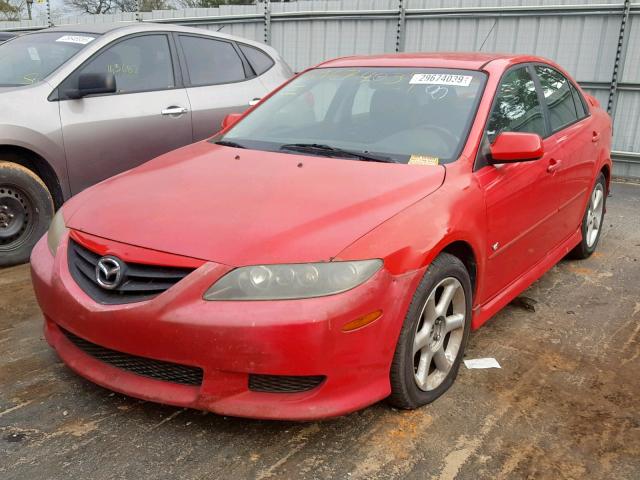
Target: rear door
219, 81
148, 115
573, 131
519, 199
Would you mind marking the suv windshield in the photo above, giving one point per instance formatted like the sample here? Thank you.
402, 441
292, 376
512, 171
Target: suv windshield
379, 114
28, 59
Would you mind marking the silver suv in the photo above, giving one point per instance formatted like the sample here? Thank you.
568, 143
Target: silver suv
80, 104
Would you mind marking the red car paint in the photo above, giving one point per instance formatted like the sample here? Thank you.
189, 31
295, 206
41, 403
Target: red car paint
192, 208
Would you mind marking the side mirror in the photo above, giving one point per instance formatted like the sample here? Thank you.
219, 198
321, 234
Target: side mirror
512, 147
93, 84
230, 119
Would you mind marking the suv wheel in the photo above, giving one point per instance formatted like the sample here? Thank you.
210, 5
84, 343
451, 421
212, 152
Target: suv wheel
26, 209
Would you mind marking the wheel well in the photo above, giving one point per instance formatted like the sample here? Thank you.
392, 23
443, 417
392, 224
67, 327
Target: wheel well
607, 175
36, 164
464, 252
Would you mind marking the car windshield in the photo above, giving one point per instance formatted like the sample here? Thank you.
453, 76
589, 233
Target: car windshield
402, 115
28, 59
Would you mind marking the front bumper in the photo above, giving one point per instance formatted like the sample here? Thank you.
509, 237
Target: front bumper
230, 340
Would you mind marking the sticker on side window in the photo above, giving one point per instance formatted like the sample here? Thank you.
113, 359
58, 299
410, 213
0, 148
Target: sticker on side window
441, 79
423, 160
81, 39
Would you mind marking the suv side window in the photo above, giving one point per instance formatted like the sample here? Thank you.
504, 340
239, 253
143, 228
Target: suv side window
210, 61
259, 61
141, 63
558, 97
517, 107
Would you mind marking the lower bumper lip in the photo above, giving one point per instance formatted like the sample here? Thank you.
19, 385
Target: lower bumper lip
230, 341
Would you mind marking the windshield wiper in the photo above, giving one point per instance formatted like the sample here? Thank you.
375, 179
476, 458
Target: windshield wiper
226, 143
328, 150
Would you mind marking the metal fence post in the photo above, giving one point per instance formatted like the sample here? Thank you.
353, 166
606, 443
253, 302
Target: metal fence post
267, 22
618, 65
400, 29
49, 21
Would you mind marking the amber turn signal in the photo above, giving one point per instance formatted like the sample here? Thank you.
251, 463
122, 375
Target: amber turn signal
362, 321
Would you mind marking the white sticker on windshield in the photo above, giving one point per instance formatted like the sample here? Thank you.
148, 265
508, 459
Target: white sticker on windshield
82, 40
33, 54
441, 79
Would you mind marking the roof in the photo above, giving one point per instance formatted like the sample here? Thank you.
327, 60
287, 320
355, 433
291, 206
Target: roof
462, 60
97, 28
136, 27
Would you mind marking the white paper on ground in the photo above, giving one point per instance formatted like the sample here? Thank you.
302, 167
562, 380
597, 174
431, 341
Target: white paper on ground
482, 363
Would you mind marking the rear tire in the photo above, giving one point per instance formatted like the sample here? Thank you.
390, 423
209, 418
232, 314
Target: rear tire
26, 209
434, 335
592, 220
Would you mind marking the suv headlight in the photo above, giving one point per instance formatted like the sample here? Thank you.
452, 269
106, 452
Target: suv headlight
292, 281
57, 230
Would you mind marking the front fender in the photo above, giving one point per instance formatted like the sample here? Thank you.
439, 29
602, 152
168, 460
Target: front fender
413, 238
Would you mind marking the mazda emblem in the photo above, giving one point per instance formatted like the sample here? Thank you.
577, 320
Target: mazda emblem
109, 272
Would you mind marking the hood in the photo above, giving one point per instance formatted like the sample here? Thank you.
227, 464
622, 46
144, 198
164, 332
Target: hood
243, 207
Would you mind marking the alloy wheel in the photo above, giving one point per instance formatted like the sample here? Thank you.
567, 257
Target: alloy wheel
439, 333
594, 214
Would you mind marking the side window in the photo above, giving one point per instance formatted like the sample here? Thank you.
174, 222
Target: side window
558, 97
260, 61
139, 64
579, 101
517, 108
210, 61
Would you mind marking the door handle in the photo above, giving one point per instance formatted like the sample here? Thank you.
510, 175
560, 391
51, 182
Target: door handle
255, 101
595, 137
553, 165
174, 110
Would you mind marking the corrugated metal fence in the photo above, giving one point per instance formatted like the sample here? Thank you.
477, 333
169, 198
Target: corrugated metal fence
599, 43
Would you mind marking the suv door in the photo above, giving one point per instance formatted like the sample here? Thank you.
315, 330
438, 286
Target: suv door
148, 115
219, 81
519, 198
573, 131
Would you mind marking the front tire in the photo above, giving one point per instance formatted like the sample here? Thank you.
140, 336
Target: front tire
434, 335
592, 220
26, 209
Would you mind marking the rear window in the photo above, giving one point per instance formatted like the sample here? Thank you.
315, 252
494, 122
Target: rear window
558, 97
211, 62
259, 61
579, 101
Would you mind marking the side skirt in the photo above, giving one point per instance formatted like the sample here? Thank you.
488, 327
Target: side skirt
484, 312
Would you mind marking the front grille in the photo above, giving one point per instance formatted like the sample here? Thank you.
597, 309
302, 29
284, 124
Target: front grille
140, 282
157, 369
283, 383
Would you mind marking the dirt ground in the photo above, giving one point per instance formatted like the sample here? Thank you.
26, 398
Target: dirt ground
566, 403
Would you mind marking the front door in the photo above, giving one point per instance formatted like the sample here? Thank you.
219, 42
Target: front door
146, 117
518, 197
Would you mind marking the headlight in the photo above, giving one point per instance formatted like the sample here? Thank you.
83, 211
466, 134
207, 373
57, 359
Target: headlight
286, 282
57, 229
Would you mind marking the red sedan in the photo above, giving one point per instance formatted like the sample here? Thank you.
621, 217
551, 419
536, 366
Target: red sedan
335, 245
